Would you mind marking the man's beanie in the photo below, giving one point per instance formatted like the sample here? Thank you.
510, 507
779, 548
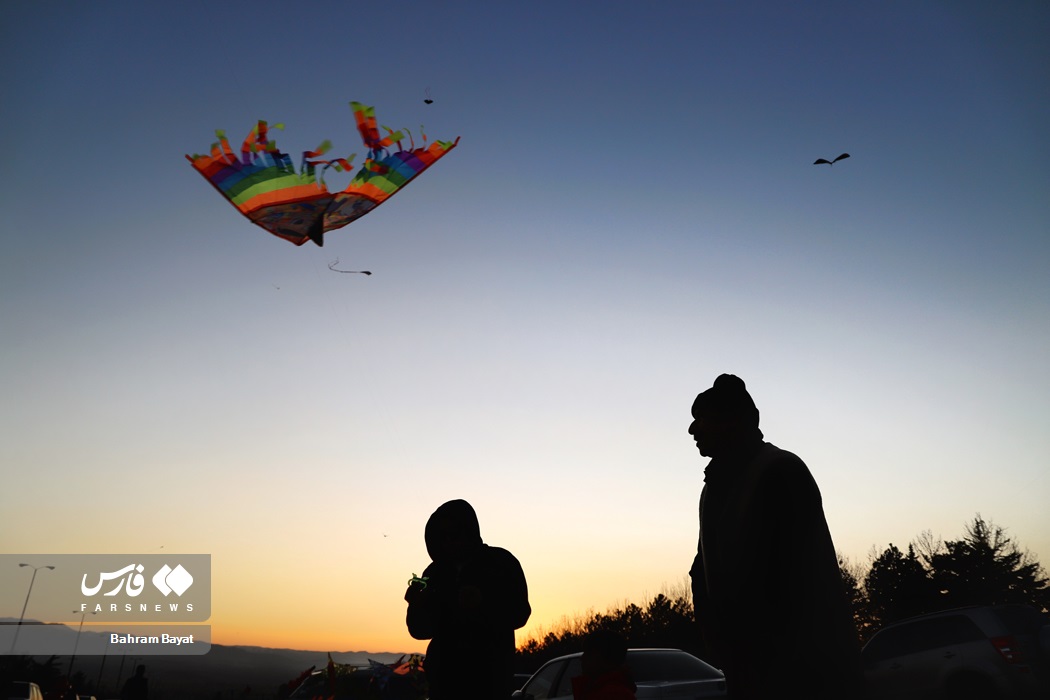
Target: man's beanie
728, 399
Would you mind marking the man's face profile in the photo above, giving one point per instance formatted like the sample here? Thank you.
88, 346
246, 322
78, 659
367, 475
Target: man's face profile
708, 431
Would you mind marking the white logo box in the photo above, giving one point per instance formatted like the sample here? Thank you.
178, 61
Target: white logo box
105, 588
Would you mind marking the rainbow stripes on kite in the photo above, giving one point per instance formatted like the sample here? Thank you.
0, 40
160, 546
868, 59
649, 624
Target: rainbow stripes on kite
297, 206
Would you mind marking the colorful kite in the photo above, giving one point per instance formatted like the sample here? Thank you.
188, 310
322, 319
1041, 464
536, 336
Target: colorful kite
297, 206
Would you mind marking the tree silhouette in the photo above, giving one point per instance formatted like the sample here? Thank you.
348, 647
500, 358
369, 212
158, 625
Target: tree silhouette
986, 567
899, 586
852, 578
666, 621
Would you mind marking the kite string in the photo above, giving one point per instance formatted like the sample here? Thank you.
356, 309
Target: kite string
341, 316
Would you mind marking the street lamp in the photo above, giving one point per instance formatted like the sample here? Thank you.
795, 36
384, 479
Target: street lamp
26, 604
98, 681
80, 629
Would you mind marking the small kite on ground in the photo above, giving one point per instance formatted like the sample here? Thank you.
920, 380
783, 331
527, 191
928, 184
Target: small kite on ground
297, 206
821, 161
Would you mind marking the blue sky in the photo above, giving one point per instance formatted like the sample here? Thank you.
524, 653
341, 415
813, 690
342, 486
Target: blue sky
630, 212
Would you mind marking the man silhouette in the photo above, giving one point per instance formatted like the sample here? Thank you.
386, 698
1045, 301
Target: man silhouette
136, 687
767, 590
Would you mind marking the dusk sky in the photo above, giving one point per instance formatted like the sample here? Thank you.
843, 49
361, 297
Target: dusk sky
631, 211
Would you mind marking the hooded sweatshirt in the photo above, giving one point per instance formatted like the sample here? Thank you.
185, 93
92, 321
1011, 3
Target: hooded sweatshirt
475, 597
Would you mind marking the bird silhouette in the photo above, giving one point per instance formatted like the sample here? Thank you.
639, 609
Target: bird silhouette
821, 161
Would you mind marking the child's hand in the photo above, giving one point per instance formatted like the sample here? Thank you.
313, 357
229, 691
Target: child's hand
416, 589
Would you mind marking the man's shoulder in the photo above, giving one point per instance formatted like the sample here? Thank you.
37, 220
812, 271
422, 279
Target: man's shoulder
780, 469
498, 554
772, 459
496, 561
771, 454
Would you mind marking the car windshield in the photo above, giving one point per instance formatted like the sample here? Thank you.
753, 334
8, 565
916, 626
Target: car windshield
18, 689
920, 635
652, 666
1021, 619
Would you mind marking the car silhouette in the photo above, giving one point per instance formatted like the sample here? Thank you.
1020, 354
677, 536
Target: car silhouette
668, 674
22, 690
984, 652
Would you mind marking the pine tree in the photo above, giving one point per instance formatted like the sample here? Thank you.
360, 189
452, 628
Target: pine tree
899, 586
986, 567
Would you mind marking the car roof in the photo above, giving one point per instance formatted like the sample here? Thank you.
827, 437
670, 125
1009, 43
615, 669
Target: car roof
956, 611
629, 651
962, 610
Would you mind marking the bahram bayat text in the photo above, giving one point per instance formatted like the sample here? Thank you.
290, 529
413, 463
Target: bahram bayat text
150, 639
